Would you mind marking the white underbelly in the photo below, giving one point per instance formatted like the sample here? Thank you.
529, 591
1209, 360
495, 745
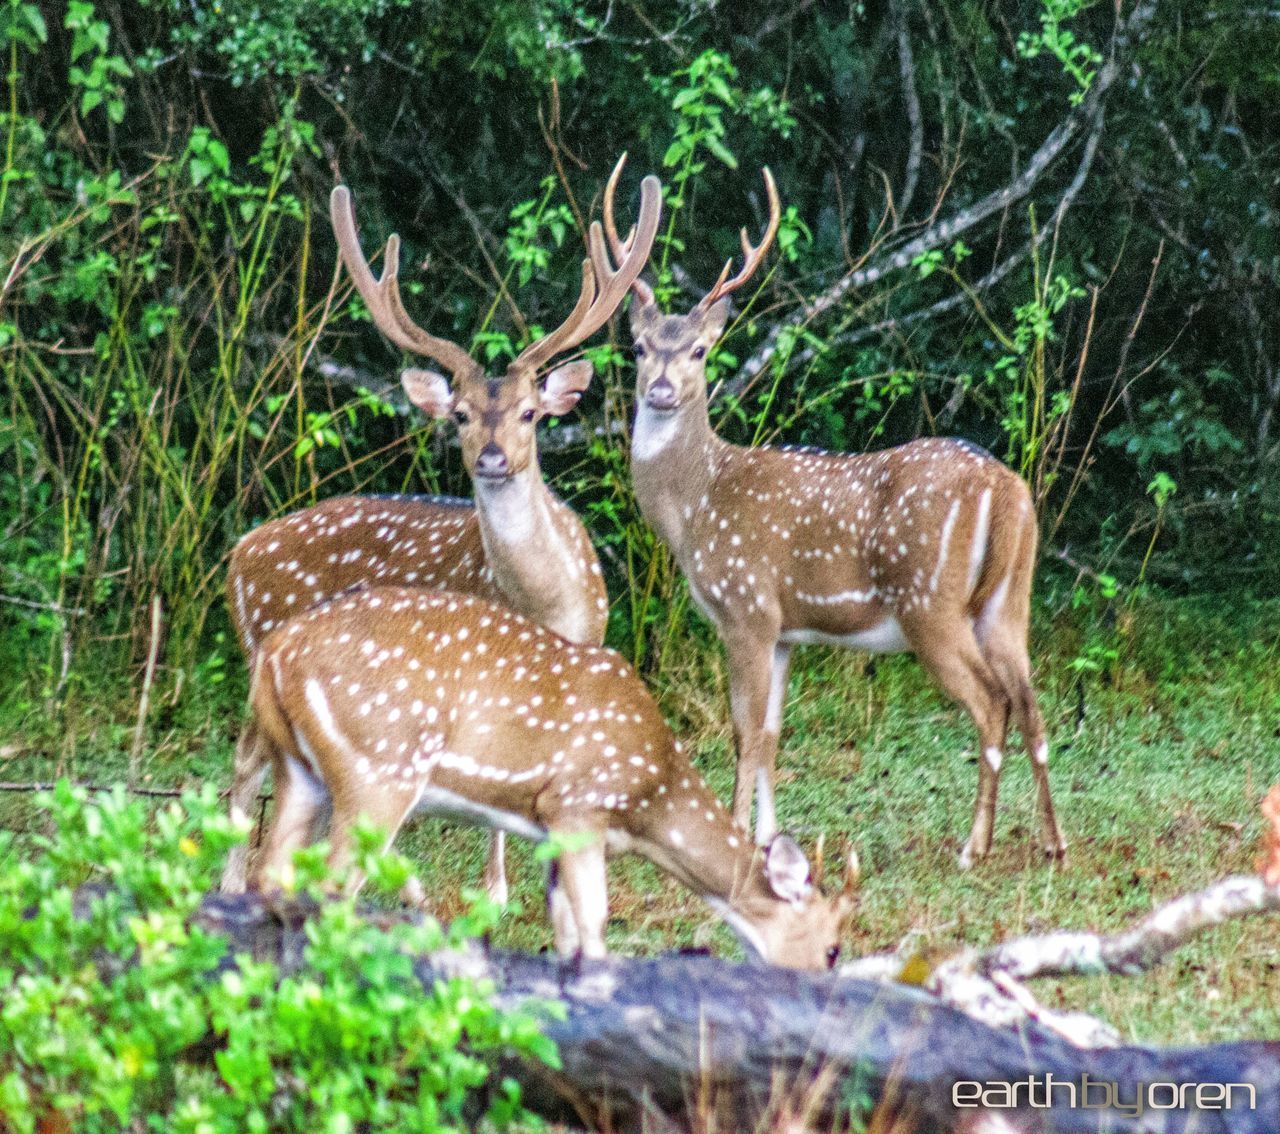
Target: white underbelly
885, 637
449, 805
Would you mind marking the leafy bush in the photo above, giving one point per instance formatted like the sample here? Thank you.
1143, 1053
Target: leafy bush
119, 1014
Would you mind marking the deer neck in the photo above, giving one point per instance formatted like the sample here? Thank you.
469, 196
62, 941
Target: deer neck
674, 457
530, 546
719, 862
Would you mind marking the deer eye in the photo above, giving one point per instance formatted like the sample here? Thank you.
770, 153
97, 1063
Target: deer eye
528, 415
833, 955
638, 351
461, 417
699, 352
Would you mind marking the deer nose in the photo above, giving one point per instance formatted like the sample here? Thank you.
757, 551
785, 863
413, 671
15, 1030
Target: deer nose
492, 462
661, 395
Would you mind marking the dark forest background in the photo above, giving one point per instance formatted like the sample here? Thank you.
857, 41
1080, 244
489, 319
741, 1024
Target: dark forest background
1048, 227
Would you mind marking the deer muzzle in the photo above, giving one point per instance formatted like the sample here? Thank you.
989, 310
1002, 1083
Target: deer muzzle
661, 395
492, 463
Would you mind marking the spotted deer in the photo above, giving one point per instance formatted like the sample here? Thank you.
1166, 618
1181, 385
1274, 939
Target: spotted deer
518, 543
928, 547
395, 700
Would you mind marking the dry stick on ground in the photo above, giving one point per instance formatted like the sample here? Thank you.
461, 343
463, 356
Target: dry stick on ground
986, 984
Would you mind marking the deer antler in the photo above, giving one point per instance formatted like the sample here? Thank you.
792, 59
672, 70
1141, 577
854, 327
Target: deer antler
751, 255
592, 312
621, 248
382, 296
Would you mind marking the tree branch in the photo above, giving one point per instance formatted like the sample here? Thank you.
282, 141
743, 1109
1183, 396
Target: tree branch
691, 1042
740, 381
907, 66
1086, 116
987, 984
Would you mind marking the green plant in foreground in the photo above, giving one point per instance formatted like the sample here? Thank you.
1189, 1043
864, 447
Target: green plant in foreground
112, 999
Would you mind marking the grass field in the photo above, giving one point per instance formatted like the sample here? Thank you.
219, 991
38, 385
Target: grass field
1157, 786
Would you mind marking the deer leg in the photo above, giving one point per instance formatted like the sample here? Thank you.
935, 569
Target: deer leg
583, 881
1051, 840
249, 770
300, 802
1009, 660
757, 689
386, 809
563, 926
495, 868
956, 663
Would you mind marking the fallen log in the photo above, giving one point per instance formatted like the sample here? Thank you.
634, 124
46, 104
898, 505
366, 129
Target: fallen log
683, 1040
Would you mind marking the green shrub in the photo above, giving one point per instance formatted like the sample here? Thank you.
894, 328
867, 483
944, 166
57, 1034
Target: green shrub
119, 1014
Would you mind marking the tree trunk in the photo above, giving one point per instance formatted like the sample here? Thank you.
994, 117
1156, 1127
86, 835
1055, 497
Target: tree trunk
652, 1043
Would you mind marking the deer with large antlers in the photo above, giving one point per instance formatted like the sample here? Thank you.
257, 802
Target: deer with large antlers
395, 700
928, 547
519, 544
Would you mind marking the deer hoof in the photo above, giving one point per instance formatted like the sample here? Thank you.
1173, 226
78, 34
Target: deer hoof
1056, 852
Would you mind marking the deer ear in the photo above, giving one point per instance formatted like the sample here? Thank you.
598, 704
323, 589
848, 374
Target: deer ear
562, 388
787, 869
428, 391
715, 318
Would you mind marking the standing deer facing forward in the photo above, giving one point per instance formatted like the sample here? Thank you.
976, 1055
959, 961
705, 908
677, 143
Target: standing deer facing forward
395, 699
928, 547
519, 544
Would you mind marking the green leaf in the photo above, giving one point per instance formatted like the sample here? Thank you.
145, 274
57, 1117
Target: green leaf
718, 148
35, 21
720, 89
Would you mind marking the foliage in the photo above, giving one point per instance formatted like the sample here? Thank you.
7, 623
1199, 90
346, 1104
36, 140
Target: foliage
177, 363
1079, 60
113, 998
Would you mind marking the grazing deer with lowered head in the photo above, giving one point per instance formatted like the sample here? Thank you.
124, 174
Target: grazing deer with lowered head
928, 547
395, 700
519, 544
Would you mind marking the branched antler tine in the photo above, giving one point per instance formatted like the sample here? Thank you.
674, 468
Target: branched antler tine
586, 300
382, 295
636, 251
618, 247
717, 288
852, 869
752, 255
621, 249
608, 285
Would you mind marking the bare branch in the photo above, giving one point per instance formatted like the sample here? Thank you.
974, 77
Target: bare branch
987, 985
1087, 116
907, 66
1142, 947
742, 380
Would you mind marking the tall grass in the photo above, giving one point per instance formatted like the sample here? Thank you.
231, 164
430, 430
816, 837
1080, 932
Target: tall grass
156, 402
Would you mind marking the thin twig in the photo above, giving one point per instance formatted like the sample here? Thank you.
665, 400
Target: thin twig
49, 606
148, 679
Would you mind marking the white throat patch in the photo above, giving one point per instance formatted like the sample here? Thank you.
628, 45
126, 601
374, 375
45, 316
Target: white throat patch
653, 431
